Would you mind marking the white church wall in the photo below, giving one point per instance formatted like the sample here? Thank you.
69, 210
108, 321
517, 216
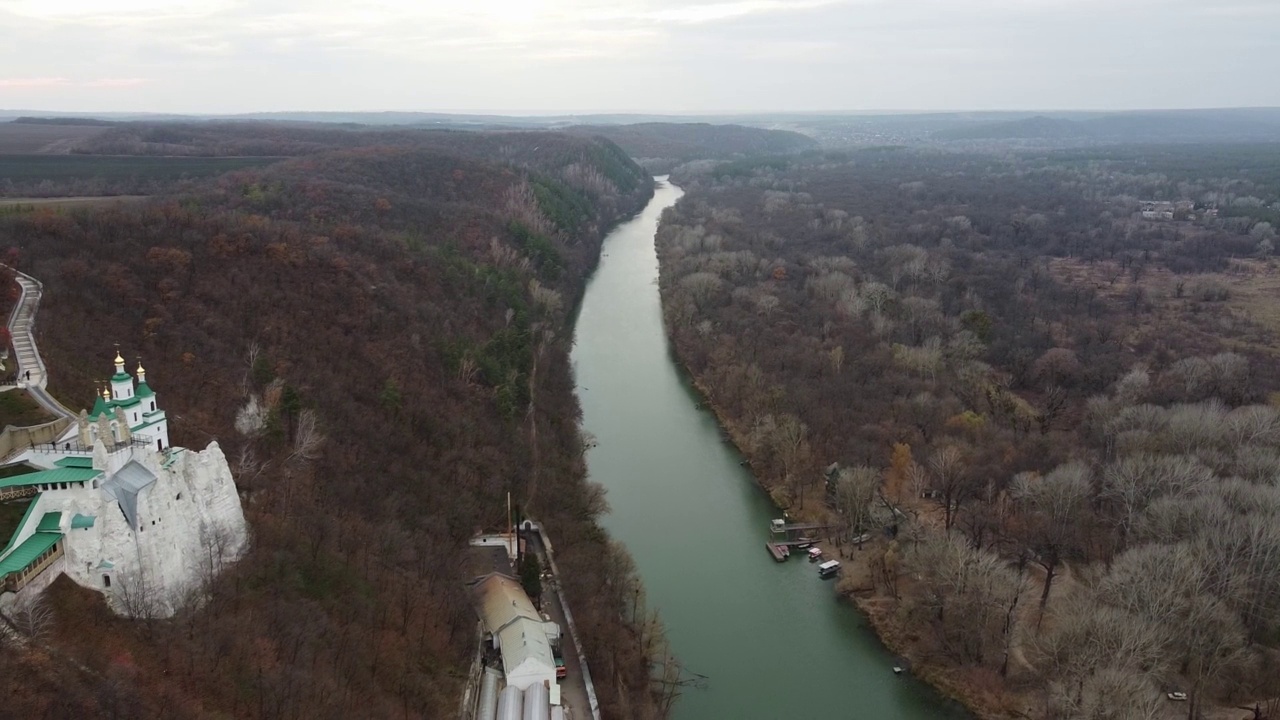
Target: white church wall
189, 520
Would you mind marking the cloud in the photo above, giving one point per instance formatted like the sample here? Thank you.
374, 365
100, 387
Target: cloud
33, 82
115, 82
655, 55
694, 14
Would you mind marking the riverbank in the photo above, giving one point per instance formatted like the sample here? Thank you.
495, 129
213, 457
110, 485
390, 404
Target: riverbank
984, 696
693, 523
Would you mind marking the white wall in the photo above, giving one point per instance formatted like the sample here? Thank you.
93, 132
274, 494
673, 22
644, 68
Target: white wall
191, 525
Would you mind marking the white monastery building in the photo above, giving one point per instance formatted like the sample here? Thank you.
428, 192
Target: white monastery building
117, 509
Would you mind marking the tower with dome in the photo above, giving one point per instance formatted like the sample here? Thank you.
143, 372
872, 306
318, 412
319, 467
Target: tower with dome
114, 506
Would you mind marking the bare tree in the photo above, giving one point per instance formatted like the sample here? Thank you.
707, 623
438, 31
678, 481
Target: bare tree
855, 499
1055, 508
307, 438
31, 616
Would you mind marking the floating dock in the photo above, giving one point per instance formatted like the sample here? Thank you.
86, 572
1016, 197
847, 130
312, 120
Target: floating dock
779, 551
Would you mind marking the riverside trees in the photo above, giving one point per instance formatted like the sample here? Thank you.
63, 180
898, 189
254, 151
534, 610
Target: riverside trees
951, 318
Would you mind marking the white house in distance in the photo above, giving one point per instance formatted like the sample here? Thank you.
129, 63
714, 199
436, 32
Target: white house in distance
515, 627
117, 509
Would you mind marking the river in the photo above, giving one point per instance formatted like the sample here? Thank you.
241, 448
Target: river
771, 638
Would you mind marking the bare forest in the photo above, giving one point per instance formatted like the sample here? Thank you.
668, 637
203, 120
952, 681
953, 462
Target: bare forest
377, 337
1036, 392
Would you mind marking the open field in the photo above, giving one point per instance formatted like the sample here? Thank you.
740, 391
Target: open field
30, 138
1241, 303
61, 167
79, 176
66, 202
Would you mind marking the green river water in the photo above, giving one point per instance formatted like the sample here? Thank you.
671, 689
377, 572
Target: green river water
771, 638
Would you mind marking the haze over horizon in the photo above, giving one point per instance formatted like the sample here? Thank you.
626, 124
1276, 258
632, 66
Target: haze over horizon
640, 56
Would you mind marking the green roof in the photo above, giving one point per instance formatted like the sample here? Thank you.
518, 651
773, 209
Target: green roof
31, 508
75, 462
80, 522
144, 390
61, 475
99, 407
51, 522
28, 551
121, 377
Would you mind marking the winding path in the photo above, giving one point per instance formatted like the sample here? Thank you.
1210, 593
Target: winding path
22, 322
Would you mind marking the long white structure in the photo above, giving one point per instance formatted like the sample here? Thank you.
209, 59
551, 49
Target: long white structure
117, 509
515, 628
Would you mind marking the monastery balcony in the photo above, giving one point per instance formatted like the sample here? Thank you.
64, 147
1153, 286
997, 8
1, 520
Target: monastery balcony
20, 491
75, 447
17, 579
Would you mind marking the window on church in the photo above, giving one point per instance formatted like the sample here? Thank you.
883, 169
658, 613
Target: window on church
106, 581
179, 497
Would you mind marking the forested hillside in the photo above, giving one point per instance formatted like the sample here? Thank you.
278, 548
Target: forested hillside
1053, 407
662, 146
378, 339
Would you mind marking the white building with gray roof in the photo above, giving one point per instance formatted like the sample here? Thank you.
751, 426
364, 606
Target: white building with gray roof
117, 509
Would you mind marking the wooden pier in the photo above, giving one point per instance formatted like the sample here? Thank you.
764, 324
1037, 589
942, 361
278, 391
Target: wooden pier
779, 551
778, 528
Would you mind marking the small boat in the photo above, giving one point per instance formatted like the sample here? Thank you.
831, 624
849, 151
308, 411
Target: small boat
829, 568
815, 554
804, 542
897, 670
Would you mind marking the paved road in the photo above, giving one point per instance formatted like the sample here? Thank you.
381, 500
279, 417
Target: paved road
573, 691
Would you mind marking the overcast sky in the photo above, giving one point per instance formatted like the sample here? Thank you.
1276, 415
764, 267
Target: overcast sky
660, 56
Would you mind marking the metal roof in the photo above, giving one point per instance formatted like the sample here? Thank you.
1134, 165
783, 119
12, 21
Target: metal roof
80, 522
51, 522
502, 600
60, 475
125, 485
31, 508
75, 461
507, 612
27, 552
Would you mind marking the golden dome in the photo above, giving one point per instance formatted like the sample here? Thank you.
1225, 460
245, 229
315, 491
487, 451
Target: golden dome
119, 360
141, 370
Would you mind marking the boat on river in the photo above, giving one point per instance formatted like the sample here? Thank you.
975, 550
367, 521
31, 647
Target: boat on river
829, 568
815, 554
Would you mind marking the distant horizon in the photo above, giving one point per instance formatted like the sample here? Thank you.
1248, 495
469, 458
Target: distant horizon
509, 113
573, 57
